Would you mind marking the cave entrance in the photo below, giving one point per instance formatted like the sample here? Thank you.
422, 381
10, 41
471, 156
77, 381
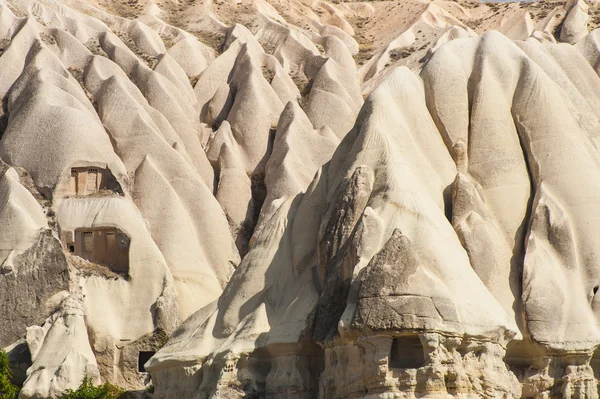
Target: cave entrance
407, 353
143, 358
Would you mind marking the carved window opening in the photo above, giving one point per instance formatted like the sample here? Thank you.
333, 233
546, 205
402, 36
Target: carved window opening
407, 353
143, 358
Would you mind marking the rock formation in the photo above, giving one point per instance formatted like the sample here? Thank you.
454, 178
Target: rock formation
292, 199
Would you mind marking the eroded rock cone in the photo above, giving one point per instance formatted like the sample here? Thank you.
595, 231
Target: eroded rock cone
299, 199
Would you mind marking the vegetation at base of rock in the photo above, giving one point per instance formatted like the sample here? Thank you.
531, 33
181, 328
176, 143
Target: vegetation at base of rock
87, 390
7, 389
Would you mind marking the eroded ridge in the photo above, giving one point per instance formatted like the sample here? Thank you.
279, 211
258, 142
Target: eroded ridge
301, 199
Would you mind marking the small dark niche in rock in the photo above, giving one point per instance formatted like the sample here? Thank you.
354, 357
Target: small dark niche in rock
143, 358
407, 353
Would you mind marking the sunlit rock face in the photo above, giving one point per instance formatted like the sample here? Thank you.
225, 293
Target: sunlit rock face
290, 199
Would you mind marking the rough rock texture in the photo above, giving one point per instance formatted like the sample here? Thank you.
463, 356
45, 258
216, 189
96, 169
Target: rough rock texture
34, 288
61, 354
306, 199
34, 273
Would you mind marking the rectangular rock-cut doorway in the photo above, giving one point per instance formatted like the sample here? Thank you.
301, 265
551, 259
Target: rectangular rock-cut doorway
407, 352
143, 358
107, 246
88, 180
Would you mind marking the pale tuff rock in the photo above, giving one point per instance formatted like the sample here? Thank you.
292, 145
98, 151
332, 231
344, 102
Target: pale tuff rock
61, 354
179, 215
234, 193
21, 214
551, 244
33, 283
370, 290
34, 275
69, 112
455, 32
287, 199
445, 367
519, 27
145, 262
119, 312
335, 269
489, 252
575, 26
334, 86
405, 287
298, 152
404, 296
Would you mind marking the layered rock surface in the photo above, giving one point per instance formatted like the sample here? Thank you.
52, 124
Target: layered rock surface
300, 199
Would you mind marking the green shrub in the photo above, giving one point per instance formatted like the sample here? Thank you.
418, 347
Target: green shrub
7, 389
87, 390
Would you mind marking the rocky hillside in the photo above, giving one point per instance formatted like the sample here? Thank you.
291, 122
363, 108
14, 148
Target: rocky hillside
301, 199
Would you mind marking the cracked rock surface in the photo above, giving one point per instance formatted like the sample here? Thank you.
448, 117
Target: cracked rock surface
301, 199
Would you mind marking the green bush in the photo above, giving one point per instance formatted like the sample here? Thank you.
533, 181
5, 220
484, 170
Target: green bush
87, 390
7, 389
